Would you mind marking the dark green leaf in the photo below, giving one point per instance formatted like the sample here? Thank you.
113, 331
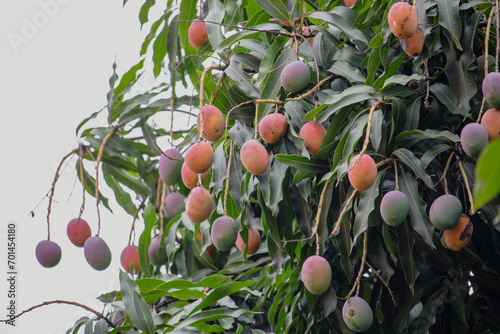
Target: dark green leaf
136, 307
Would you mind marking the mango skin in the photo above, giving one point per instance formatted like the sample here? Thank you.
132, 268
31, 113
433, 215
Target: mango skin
224, 233
199, 157
313, 134
295, 76
459, 236
316, 274
254, 157
197, 34
170, 166
253, 241
190, 179
97, 253
199, 204
273, 127
78, 230
445, 212
213, 122
474, 138
157, 255
357, 314
402, 19
413, 45
394, 207
130, 257
363, 173
48, 253
491, 121
174, 204
491, 89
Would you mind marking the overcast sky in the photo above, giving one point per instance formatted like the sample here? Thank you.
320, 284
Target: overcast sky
56, 59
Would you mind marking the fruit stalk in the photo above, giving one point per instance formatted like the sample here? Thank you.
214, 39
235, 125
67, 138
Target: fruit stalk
342, 213
318, 215
361, 268
98, 161
467, 186
228, 172
56, 177
82, 179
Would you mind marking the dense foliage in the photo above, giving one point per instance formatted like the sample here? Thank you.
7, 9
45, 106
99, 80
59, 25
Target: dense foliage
406, 113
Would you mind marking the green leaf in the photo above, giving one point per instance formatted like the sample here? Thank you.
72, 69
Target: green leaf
430, 134
405, 243
487, 173
122, 197
160, 50
414, 163
418, 214
212, 315
145, 239
101, 327
242, 79
400, 79
366, 205
342, 18
351, 73
136, 307
275, 8
221, 292
313, 164
215, 14
449, 19
144, 11
462, 85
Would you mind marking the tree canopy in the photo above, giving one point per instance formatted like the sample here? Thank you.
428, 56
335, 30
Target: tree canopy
372, 98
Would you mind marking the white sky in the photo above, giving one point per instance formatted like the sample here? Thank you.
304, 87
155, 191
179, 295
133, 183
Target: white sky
48, 85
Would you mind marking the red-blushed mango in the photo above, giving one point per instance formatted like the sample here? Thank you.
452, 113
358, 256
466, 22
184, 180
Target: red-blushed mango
306, 32
459, 236
445, 212
199, 157
224, 232
129, 258
48, 253
474, 138
295, 76
491, 89
156, 253
491, 121
362, 172
253, 241
254, 157
402, 19
199, 204
170, 166
210, 248
316, 274
394, 207
190, 179
349, 3
272, 127
174, 204
313, 134
197, 34
97, 253
213, 122
413, 45
78, 230
357, 314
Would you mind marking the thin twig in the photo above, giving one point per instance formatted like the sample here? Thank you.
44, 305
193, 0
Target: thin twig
256, 121
82, 180
467, 186
318, 214
342, 213
98, 161
162, 205
312, 90
132, 229
217, 87
443, 177
97, 314
396, 175
52, 189
228, 173
361, 268
385, 283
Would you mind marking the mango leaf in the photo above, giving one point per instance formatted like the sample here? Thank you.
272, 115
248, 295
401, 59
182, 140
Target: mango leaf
418, 214
242, 79
211, 315
275, 8
160, 49
222, 291
487, 173
339, 18
449, 19
122, 197
430, 134
462, 85
405, 247
414, 163
215, 14
101, 327
136, 307
313, 164
366, 205
343, 68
